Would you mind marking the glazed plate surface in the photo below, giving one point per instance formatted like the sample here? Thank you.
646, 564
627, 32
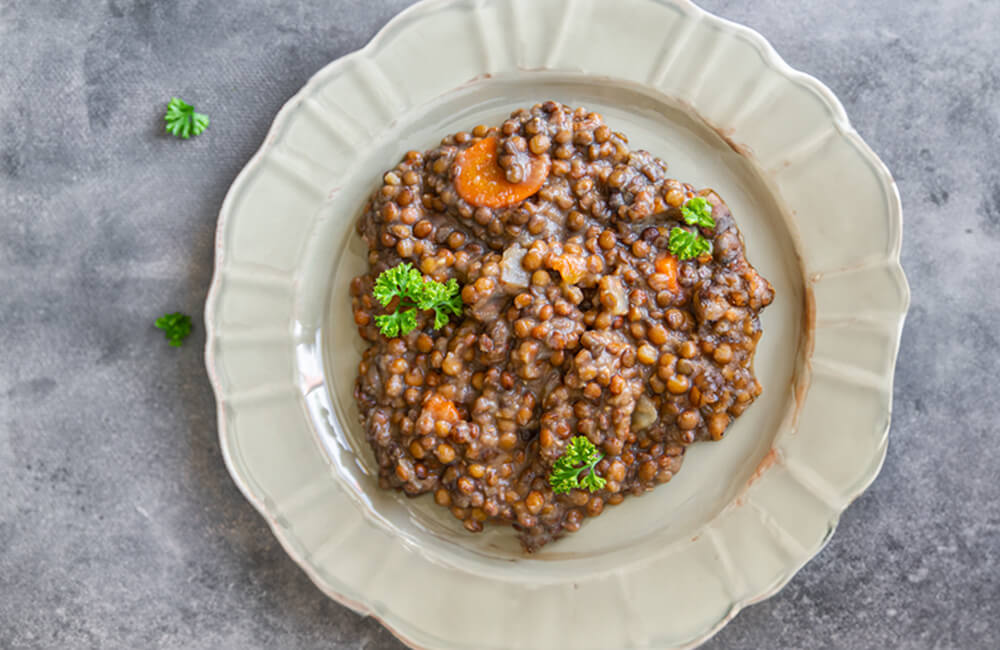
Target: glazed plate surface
745, 513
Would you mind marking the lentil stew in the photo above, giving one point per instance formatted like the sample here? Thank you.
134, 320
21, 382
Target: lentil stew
577, 321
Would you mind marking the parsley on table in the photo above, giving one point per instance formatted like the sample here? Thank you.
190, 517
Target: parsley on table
566, 475
414, 292
176, 327
182, 120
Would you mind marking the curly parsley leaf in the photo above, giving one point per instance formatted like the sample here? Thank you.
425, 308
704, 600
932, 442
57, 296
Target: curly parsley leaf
400, 322
565, 471
444, 299
686, 244
182, 121
401, 281
414, 292
698, 212
176, 327
592, 481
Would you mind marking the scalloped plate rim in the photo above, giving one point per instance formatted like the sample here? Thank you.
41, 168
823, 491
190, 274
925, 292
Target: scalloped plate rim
772, 59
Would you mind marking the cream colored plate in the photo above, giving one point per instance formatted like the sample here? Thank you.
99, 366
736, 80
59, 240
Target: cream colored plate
822, 221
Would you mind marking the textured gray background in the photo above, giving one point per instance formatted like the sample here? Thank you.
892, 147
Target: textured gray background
119, 526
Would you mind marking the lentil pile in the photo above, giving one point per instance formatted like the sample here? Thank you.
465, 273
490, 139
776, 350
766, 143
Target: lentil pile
577, 321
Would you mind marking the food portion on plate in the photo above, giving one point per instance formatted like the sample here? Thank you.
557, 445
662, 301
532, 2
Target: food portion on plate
550, 319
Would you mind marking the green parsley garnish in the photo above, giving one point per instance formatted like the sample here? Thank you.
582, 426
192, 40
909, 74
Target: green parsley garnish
686, 244
566, 475
414, 292
182, 120
176, 327
698, 212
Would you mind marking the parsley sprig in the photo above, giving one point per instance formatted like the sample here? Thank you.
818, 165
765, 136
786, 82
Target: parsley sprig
565, 471
698, 212
182, 120
686, 244
176, 327
414, 292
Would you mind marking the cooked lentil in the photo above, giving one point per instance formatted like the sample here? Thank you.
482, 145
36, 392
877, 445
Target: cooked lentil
576, 322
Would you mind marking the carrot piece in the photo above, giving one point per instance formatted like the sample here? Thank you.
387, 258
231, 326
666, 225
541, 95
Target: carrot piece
667, 265
481, 180
570, 267
441, 408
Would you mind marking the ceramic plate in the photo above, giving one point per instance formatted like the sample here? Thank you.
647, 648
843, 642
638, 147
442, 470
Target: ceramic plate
822, 221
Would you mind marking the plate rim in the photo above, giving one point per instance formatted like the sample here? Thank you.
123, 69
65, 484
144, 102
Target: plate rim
773, 61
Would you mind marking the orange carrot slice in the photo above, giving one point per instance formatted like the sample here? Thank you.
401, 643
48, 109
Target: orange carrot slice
481, 180
667, 265
441, 408
570, 267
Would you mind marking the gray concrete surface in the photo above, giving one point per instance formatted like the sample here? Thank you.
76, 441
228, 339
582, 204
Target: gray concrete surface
119, 526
